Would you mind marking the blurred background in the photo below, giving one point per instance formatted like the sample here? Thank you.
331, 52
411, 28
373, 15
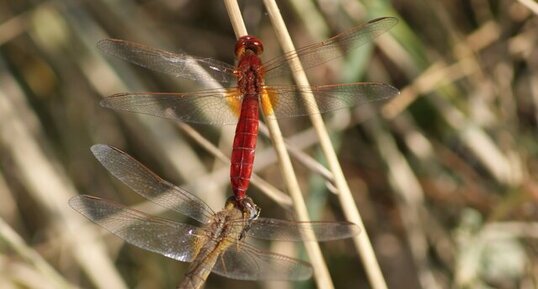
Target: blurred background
444, 174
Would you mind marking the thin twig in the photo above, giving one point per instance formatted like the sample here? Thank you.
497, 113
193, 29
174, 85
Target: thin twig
410, 199
321, 272
532, 5
48, 185
301, 156
362, 242
272, 192
14, 241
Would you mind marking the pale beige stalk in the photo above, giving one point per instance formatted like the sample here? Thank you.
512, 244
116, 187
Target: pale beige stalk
49, 186
272, 192
362, 242
15, 242
321, 273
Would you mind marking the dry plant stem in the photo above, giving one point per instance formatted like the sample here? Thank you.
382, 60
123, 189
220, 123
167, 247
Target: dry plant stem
107, 78
13, 240
303, 157
48, 185
362, 242
410, 200
532, 5
440, 73
321, 272
434, 76
8, 206
267, 188
235, 17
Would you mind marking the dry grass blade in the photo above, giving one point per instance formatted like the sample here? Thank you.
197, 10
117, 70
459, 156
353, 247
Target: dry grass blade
49, 186
14, 241
321, 273
261, 184
362, 241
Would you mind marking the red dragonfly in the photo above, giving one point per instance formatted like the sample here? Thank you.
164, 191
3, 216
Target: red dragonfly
216, 246
245, 88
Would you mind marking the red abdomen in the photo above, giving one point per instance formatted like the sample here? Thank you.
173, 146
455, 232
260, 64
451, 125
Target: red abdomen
244, 146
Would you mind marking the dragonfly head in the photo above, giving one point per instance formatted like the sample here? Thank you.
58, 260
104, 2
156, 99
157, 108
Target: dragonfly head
250, 209
248, 42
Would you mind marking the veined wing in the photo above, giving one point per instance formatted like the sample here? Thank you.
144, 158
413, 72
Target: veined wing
286, 101
173, 240
282, 230
216, 106
202, 70
322, 52
244, 262
150, 186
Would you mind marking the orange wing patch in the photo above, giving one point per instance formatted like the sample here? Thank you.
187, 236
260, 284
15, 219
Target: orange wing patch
233, 98
269, 101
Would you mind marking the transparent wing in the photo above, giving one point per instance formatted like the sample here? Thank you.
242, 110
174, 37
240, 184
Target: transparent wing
149, 185
218, 106
282, 230
244, 262
321, 52
173, 240
201, 70
286, 101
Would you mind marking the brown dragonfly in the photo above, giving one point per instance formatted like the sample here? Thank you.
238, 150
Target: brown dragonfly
218, 245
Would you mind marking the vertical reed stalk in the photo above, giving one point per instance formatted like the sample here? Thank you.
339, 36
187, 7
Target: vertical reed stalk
321, 273
362, 241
